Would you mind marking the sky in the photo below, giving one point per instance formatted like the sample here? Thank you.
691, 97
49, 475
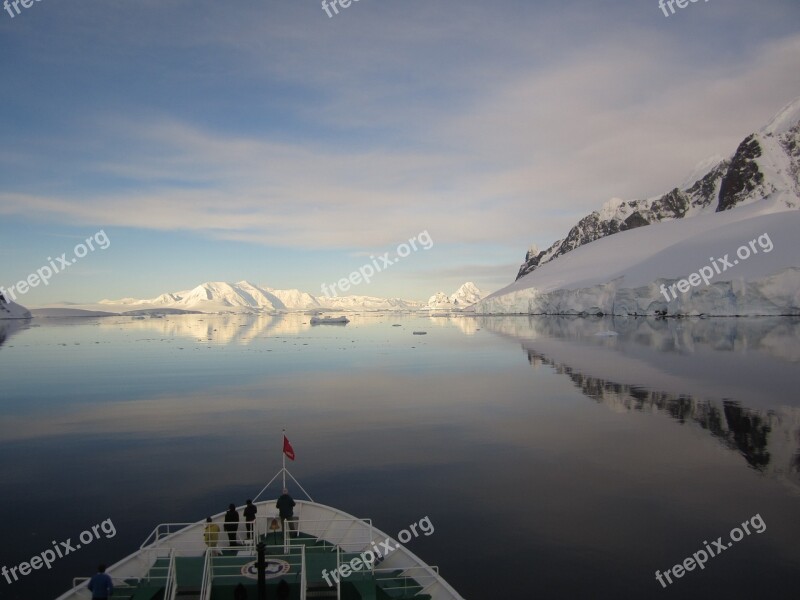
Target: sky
263, 140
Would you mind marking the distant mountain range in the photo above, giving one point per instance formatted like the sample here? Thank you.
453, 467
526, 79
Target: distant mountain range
246, 297
765, 165
243, 296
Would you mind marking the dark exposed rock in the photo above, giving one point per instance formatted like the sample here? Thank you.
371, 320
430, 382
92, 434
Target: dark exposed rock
635, 220
742, 176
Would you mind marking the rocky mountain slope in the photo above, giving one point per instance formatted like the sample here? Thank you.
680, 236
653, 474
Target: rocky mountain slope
725, 245
765, 165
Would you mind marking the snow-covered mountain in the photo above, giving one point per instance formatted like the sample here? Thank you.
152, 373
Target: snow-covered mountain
631, 273
12, 310
766, 165
624, 258
209, 297
463, 297
353, 303
294, 299
440, 299
246, 297
466, 295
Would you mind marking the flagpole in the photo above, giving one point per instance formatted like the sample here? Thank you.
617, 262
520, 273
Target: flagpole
283, 455
284, 471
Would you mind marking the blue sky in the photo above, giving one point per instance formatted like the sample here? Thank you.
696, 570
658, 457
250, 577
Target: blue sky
262, 140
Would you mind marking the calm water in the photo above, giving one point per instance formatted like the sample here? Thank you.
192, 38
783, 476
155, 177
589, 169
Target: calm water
553, 462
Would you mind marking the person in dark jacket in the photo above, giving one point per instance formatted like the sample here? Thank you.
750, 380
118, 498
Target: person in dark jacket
285, 506
239, 592
100, 584
250, 511
232, 524
283, 591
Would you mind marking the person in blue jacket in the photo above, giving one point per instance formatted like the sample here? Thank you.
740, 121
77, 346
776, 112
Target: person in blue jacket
101, 585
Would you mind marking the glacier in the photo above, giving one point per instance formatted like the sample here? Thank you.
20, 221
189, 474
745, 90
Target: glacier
12, 310
622, 274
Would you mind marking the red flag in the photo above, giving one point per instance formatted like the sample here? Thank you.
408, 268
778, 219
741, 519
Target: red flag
287, 449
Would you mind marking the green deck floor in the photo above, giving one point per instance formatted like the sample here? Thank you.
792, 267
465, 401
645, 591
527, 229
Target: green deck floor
319, 557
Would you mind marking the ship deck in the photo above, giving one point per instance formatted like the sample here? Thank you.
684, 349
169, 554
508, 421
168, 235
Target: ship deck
231, 565
179, 562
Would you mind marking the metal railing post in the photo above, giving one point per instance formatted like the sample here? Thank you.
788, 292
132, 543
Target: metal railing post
261, 569
303, 579
338, 579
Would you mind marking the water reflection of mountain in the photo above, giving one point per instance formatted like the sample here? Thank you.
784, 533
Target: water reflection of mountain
218, 329
467, 325
230, 328
688, 370
9, 327
778, 337
740, 429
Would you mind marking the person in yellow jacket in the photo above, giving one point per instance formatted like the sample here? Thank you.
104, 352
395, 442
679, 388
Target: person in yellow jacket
211, 533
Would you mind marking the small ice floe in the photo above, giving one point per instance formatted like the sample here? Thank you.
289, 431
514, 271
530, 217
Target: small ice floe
329, 320
606, 334
420, 333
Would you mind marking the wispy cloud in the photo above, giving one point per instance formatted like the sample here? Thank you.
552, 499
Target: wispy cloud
272, 125
567, 137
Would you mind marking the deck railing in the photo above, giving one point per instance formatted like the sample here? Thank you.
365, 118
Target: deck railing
338, 579
205, 587
411, 578
171, 587
350, 534
163, 530
303, 579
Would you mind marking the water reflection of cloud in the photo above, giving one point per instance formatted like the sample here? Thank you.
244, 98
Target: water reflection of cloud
329, 404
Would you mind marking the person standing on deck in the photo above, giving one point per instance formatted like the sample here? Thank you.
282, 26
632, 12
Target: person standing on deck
239, 592
285, 506
232, 524
101, 585
211, 533
250, 511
